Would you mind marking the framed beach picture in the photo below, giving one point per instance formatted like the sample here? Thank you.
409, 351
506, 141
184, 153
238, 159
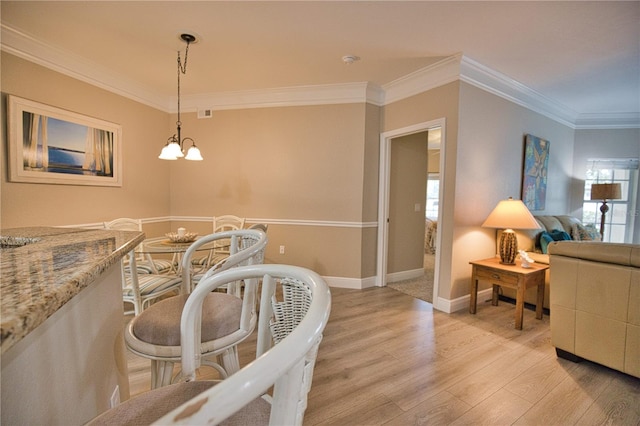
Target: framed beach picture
534, 172
55, 146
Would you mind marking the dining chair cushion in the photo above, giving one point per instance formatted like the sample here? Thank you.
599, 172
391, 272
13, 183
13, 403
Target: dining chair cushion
215, 258
148, 407
151, 283
163, 265
160, 324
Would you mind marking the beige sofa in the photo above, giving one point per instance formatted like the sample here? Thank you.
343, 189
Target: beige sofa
529, 241
595, 303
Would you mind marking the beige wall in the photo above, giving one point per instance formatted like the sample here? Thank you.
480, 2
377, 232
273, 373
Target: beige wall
489, 159
483, 150
288, 164
144, 192
312, 164
441, 102
407, 187
303, 163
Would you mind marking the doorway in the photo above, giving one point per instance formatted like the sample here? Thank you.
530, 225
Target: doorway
386, 140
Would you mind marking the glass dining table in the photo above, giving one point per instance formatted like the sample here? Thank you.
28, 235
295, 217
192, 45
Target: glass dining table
163, 245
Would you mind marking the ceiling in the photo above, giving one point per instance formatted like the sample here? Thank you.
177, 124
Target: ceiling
583, 56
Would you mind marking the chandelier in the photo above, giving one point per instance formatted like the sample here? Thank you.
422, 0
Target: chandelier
174, 148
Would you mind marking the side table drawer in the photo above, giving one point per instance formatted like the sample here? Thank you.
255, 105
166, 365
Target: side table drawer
496, 277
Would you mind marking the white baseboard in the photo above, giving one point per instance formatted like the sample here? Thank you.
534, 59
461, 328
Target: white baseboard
354, 283
461, 303
405, 275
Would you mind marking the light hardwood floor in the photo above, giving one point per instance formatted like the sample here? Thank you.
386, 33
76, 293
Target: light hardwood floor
390, 359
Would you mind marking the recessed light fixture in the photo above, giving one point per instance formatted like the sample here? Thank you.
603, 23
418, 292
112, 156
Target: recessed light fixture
349, 59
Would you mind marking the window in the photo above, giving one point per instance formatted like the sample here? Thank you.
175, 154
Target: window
618, 226
433, 193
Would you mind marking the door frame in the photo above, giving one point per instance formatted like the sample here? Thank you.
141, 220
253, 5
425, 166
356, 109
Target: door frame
383, 197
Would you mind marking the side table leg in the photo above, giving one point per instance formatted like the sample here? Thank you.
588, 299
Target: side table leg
494, 294
473, 295
540, 299
520, 304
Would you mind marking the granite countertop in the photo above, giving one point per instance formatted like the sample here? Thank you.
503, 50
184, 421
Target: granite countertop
40, 277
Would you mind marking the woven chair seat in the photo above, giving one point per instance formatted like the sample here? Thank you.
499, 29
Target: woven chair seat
150, 406
161, 326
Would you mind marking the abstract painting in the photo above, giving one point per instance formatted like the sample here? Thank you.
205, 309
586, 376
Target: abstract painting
534, 176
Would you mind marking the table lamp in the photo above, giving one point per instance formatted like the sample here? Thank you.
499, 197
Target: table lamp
509, 215
604, 192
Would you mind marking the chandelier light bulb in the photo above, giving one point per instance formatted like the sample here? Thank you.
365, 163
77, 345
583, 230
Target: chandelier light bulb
193, 154
166, 154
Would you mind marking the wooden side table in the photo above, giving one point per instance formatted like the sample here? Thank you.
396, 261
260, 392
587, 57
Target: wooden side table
511, 276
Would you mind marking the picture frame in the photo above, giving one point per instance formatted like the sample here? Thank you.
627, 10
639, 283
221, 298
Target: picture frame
534, 172
50, 145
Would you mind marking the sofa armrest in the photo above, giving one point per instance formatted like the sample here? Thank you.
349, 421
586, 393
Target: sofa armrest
614, 253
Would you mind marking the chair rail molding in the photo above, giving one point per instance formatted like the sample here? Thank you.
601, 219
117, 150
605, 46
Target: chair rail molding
294, 222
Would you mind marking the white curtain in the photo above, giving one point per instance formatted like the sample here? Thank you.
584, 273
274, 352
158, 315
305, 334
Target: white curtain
98, 156
34, 125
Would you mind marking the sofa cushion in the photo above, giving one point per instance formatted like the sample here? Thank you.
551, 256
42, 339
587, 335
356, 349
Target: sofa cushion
549, 223
567, 222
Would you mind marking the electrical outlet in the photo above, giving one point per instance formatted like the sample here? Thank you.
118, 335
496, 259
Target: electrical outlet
281, 249
115, 397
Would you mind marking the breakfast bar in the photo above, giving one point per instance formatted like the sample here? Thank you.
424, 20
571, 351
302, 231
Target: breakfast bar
63, 358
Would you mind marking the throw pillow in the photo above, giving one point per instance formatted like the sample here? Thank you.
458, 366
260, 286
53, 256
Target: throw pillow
581, 232
554, 235
593, 232
545, 239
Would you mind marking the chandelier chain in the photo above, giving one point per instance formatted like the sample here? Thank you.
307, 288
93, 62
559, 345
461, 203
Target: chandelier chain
182, 69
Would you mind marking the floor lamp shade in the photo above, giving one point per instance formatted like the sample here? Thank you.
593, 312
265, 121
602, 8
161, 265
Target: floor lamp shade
606, 191
509, 215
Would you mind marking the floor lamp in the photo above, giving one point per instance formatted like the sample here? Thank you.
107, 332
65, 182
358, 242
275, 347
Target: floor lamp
604, 192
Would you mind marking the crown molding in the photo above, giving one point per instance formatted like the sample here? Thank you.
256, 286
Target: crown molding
360, 92
450, 69
501, 85
435, 75
623, 120
49, 56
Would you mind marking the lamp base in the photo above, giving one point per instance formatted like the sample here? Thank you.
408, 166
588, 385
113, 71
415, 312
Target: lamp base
604, 208
508, 247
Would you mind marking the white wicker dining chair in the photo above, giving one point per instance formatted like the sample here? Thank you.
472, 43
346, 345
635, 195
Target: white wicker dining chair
220, 251
141, 289
145, 263
296, 303
227, 318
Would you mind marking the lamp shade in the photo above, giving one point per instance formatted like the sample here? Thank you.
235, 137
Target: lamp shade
606, 191
511, 214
